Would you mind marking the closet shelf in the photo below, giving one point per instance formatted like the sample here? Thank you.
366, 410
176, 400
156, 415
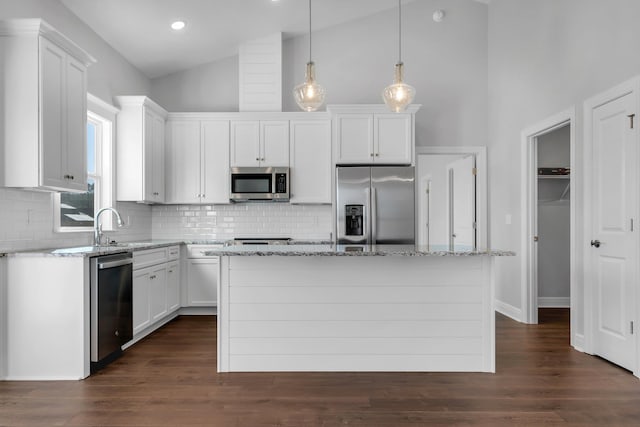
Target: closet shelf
554, 176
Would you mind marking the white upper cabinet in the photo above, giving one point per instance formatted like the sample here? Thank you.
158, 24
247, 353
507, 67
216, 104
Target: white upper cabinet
215, 161
355, 138
197, 164
43, 108
140, 150
368, 134
310, 155
259, 143
393, 138
183, 161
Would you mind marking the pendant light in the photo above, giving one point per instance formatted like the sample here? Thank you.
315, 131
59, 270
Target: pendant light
309, 95
398, 95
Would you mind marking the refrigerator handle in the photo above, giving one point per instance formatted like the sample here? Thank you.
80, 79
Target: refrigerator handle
374, 215
366, 214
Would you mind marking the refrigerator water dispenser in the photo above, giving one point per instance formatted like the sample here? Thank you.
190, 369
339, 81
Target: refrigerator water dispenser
353, 217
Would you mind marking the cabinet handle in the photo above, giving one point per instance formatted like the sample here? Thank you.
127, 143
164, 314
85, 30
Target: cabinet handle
262, 159
257, 159
371, 154
152, 277
170, 271
377, 154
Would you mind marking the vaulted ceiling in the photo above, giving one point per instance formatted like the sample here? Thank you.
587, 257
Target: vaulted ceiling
140, 29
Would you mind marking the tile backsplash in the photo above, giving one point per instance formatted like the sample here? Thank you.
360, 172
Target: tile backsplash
212, 222
26, 222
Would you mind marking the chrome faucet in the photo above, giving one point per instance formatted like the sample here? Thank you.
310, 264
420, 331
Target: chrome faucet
97, 227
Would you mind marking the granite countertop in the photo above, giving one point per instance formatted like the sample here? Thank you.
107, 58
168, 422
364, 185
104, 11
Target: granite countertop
351, 250
90, 251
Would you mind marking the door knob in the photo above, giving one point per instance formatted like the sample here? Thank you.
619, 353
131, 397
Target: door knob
595, 243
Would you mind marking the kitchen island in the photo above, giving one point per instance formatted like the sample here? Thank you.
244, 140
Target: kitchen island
355, 308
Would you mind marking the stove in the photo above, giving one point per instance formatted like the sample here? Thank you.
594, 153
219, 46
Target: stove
260, 241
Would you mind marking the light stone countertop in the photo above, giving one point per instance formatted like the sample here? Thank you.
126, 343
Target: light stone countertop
351, 250
90, 251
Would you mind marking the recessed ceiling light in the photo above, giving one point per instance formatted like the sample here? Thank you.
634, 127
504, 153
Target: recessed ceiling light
178, 25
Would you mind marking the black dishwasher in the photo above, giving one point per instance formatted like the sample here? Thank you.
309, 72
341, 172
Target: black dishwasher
111, 307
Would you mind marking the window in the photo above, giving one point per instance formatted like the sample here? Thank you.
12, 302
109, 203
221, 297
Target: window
75, 211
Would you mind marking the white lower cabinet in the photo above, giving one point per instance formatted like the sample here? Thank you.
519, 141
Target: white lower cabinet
202, 277
202, 282
173, 286
156, 292
141, 295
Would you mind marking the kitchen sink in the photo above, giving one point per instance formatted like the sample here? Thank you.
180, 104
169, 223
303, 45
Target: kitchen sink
126, 244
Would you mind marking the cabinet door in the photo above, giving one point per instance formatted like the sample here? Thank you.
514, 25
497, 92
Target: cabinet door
158, 159
215, 161
245, 143
158, 292
393, 138
354, 133
183, 166
310, 161
202, 282
149, 156
141, 294
52, 107
274, 138
76, 126
173, 286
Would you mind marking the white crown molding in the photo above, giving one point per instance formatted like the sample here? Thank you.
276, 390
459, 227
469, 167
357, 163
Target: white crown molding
39, 27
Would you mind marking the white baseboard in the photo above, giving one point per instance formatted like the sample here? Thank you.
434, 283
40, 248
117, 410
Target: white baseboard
508, 310
578, 342
554, 302
198, 311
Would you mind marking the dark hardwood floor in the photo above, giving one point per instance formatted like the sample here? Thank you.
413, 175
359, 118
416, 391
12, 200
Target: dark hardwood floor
169, 379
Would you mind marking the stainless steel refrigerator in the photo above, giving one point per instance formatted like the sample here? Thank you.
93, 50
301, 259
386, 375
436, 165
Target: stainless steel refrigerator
375, 204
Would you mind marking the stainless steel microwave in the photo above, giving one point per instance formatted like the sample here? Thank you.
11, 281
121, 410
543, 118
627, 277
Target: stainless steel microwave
259, 184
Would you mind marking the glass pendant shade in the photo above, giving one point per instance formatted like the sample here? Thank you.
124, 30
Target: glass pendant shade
309, 95
398, 95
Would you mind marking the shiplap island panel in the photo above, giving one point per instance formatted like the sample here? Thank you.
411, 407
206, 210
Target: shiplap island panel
329, 308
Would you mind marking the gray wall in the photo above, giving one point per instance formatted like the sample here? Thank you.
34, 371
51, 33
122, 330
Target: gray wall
111, 75
26, 216
544, 57
446, 63
209, 87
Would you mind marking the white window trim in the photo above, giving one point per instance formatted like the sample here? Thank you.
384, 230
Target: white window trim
104, 116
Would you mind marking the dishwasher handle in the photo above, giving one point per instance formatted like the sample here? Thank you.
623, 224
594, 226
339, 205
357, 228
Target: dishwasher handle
116, 263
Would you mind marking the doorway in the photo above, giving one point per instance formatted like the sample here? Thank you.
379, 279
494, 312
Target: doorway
553, 218
548, 216
451, 188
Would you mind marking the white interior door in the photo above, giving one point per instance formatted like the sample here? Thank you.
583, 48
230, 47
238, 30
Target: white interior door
614, 242
463, 204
